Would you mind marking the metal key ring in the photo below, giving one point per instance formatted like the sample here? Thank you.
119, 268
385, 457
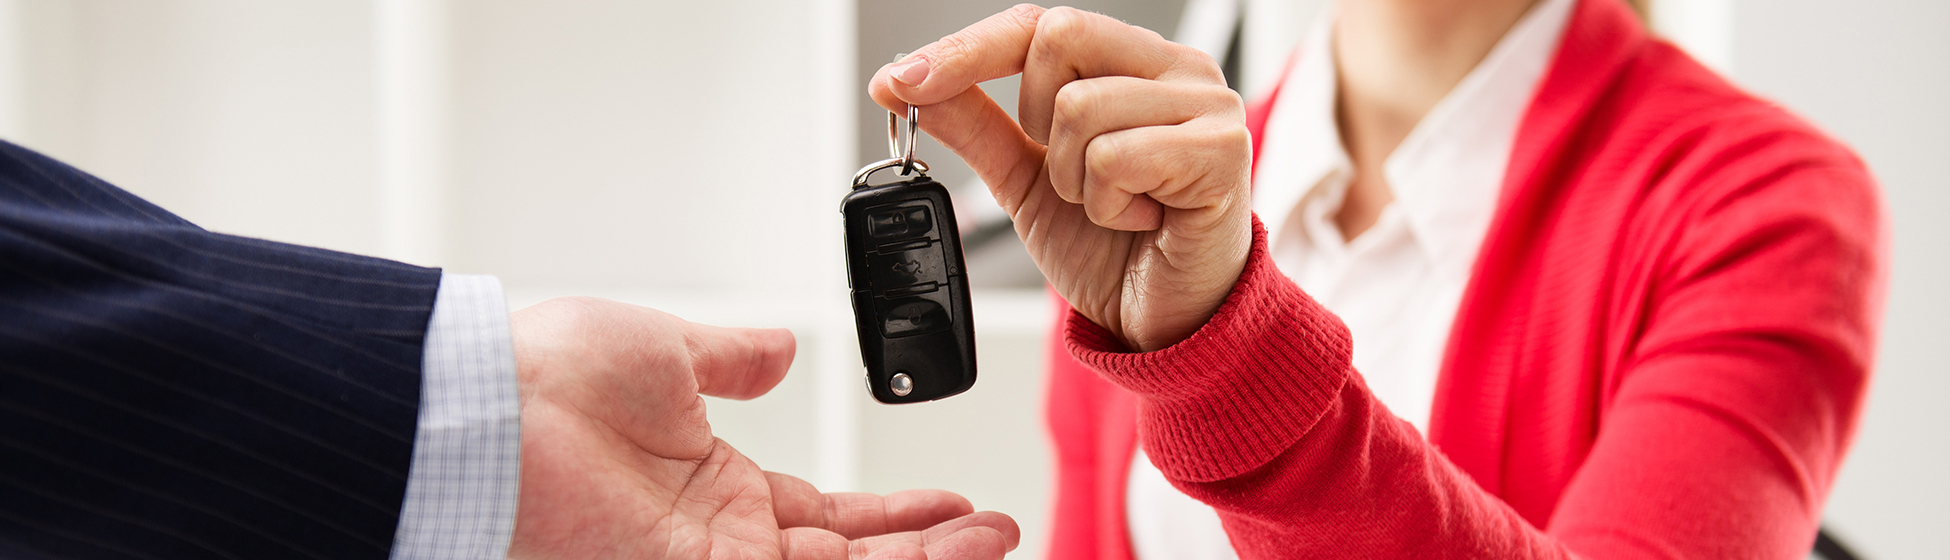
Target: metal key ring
894, 149
860, 177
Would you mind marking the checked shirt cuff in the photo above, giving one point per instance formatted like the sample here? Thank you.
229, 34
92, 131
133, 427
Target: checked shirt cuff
460, 495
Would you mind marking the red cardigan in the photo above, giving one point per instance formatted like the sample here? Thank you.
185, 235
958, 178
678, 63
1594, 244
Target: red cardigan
1662, 352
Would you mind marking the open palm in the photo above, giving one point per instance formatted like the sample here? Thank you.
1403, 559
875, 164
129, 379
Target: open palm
618, 460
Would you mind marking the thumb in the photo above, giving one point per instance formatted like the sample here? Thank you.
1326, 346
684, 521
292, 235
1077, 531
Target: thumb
941, 78
995, 47
738, 363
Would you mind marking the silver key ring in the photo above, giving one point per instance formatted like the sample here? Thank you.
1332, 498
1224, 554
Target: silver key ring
894, 147
860, 177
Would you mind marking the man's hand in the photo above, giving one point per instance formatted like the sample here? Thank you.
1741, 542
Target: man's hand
1128, 175
619, 462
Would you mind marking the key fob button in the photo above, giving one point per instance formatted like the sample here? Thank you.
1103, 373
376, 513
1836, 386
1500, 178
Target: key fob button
917, 270
913, 316
900, 223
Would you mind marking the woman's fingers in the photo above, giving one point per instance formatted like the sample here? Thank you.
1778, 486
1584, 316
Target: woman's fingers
978, 131
1051, 49
1086, 109
942, 77
992, 48
1072, 45
1132, 175
1131, 132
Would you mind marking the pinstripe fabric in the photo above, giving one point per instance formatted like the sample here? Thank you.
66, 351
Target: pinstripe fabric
460, 497
167, 392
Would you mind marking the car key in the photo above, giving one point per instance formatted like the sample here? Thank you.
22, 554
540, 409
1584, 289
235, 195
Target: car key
909, 283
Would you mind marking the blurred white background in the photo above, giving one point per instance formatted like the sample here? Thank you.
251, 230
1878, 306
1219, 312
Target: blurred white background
691, 156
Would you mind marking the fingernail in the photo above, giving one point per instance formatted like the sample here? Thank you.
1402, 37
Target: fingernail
912, 72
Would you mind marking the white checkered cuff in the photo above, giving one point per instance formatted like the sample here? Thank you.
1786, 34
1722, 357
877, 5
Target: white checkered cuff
460, 495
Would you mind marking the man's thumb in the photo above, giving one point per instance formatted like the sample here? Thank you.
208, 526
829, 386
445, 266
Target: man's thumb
738, 363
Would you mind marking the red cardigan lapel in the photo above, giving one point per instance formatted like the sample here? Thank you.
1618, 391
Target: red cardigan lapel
1487, 341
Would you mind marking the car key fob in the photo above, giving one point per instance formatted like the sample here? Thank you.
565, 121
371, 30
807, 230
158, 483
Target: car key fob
909, 284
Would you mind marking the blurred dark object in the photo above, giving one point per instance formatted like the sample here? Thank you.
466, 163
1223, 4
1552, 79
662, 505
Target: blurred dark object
1828, 547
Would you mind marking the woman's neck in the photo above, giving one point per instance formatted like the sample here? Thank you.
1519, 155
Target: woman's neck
1396, 60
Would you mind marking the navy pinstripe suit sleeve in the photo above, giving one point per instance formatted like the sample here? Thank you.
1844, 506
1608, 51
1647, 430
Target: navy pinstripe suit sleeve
167, 392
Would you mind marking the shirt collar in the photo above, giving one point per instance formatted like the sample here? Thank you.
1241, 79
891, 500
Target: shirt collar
1446, 174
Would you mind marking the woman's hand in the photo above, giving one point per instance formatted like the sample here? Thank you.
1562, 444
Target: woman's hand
1128, 175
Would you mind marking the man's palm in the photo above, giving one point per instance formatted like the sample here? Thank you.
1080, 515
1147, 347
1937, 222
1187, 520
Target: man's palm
619, 461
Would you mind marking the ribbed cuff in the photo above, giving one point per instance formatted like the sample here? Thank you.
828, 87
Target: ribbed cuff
1241, 390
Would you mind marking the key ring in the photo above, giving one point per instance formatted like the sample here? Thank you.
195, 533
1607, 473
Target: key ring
894, 149
860, 177
903, 157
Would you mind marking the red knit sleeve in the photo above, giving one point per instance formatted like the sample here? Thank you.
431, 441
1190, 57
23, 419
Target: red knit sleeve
1717, 440
1241, 389
1261, 415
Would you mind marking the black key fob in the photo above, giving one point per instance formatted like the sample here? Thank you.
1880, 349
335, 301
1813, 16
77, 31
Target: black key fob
910, 286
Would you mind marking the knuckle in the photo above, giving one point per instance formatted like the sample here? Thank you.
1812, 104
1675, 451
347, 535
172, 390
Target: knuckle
1236, 138
948, 49
1103, 161
1224, 139
1098, 213
1197, 64
1024, 13
1226, 160
1100, 204
1072, 103
1219, 101
1229, 97
1063, 23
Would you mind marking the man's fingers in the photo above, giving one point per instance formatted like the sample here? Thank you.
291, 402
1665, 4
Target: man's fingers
975, 543
979, 536
988, 49
807, 543
738, 363
795, 503
995, 526
1072, 44
899, 551
855, 515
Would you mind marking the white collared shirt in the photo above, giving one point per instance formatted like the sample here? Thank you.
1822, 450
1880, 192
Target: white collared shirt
1398, 284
